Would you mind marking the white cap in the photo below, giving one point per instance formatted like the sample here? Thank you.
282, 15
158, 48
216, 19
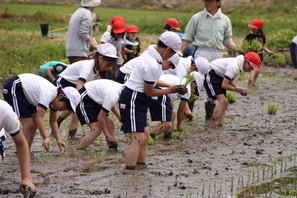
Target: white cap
199, 78
174, 59
73, 95
90, 3
108, 50
202, 65
171, 39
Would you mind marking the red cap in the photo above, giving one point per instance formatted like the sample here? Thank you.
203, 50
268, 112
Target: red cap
256, 23
116, 18
118, 27
132, 28
172, 22
254, 60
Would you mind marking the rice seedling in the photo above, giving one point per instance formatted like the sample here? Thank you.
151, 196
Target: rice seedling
150, 141
272, 108
230, 97
96, 160
250, 46
277, 59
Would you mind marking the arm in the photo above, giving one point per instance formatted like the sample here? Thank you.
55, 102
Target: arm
80, 84
161, 83
150, 91
232, 46
184, 46
103, 127
24, 158
116, 111
229, 85
55, 129
267, 50
40, 125
49, 73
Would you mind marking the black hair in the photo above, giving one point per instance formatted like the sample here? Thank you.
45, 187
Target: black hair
167, 27
104, 74
162, 45
65, 99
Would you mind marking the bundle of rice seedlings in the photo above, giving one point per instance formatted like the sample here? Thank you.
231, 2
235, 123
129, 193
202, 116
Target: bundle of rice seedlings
230, 97
276, 58
250, 46
272, 108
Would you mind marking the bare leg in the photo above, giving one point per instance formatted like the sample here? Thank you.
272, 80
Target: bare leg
164, 127
73, 126
90, 137
295, 74
219, 111
143, 148
29, 129
137, 149
253, 78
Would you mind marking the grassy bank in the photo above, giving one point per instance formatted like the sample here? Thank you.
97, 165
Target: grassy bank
23, 49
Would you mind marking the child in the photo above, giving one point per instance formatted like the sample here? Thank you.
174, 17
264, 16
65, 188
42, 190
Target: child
257, 34
9, 123
106, 35
173, 25
78, 73
30, 96
133, 101
51, 69
132, 43
161, 107
98, 97
220, 78
293, 50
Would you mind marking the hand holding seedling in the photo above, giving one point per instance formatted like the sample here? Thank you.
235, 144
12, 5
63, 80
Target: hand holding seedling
242, 91
180, 89
27, 191
62, 145
112, 142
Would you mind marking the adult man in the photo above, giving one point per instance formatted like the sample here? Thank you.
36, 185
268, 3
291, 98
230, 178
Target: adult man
80, 28
209, 31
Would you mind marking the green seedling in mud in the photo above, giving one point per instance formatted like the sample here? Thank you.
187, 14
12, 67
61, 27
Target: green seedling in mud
150, 141
97, 160
272, 108
193, 97
230, 97
45, 157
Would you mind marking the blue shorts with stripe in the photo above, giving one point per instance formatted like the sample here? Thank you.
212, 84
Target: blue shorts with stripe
213, 85
13, 94
121, 77
133, 108
61, 82
88, 110
2, 152
160, 108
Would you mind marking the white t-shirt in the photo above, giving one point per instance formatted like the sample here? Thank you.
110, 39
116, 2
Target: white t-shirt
128, 66
228, 67
104, 92
175, 80
9, 121
294, 40
148, 68
80, 70
38, 90
199, 78
106, 35
182, 68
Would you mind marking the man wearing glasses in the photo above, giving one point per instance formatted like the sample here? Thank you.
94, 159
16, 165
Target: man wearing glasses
209, 31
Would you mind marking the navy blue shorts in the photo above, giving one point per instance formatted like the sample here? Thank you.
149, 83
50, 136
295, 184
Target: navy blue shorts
2, 152
121, 77
88, 110
13, 94
133, 109
213, 85
61, 82
160, 108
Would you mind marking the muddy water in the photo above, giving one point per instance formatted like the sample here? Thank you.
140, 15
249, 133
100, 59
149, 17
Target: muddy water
183, 167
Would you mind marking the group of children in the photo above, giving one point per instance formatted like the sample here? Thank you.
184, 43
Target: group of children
152, 80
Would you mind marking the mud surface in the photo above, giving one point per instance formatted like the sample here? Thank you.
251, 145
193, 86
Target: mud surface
251, 138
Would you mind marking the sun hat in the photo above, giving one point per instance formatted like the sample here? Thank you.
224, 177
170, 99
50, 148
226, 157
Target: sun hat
254, 59
90, 3
116, 18
107, 50
118, 27
172, 22
174, 59
132, 28
256, 23
73, 96
171, 39
202, 65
